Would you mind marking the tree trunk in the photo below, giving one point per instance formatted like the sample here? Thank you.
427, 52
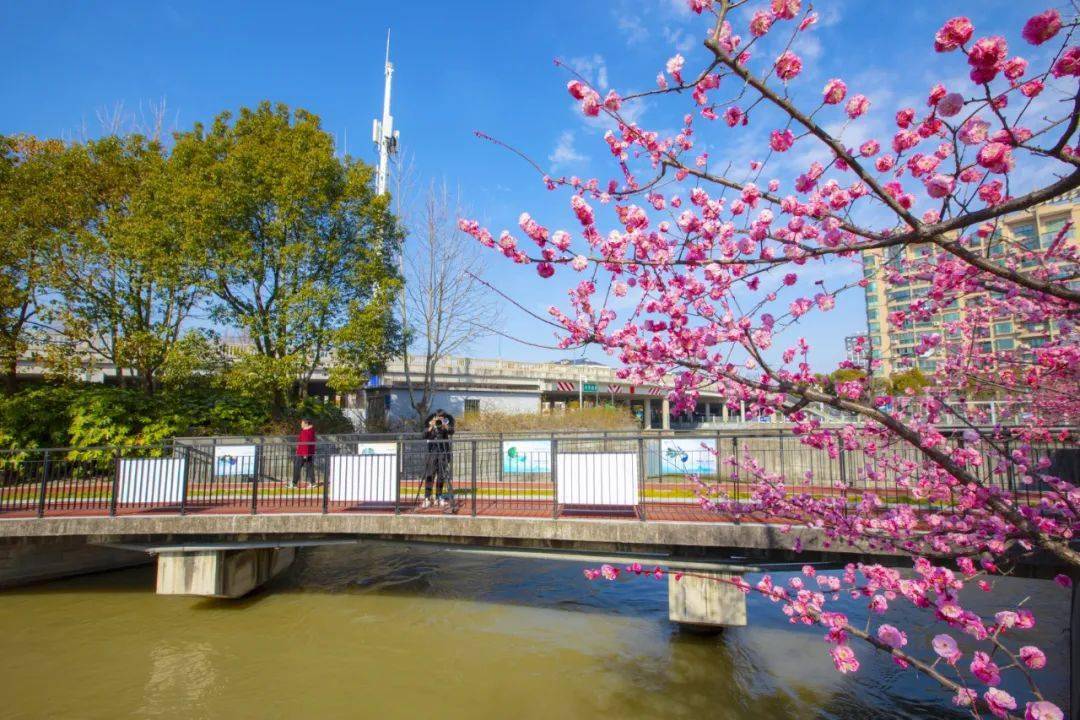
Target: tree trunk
11, 380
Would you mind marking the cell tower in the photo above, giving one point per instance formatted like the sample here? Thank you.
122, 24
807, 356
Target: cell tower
382, 133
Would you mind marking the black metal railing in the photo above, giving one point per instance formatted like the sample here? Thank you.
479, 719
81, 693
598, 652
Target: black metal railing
643, 475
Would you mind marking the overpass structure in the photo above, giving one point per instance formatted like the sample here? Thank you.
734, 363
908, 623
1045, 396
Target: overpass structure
464, 384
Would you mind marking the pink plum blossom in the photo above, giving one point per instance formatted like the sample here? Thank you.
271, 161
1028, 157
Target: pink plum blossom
674, 67
780, 141
940, 186
985, 669
844, 659
1069, 63
1042, 27
996, 157
761, 22
1033, 657
834, 92
953, 34
788, 66
950, 105
946, 648
974, 131
891, 636
857, 105
999, 702
786, 9
1043, 710
964, 697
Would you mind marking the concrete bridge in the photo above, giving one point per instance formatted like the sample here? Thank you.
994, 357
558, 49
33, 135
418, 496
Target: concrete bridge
228, 555
222, 520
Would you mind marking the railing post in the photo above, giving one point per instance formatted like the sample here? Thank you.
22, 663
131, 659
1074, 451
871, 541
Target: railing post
641, 474
719, 478
843, 473
554, 476
500, 463
44, 480
472, 472
260, 461
184, 481
782, 473
735, 468
115, 482
399, 449
255, 494
1010, 471
326, 489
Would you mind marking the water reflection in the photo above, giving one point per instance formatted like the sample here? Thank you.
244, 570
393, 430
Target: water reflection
181, 676
400, 632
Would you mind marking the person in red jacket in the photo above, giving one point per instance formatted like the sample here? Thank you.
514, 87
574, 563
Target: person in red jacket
305, 454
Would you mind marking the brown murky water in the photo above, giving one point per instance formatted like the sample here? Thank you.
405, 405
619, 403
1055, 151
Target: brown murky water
396, 632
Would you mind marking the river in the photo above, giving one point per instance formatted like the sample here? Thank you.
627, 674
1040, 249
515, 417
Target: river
388, 631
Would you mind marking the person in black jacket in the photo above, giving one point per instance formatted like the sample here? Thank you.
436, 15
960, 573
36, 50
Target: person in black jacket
438, 429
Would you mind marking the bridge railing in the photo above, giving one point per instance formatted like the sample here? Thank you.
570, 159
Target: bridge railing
647, 476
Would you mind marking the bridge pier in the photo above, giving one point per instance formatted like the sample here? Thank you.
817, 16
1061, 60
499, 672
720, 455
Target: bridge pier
220, 573
703, 601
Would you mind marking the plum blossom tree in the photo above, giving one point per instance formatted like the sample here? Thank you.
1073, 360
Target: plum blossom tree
719, 255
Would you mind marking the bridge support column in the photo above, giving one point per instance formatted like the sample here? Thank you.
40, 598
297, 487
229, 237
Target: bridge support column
220, 573
704, 602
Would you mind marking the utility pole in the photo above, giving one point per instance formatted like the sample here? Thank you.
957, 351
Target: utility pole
382, 133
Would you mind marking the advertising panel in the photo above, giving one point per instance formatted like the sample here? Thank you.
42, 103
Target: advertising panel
234, 461
526, 456
683, 456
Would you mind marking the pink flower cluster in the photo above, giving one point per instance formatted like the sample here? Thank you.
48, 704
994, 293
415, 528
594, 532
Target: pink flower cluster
725, 267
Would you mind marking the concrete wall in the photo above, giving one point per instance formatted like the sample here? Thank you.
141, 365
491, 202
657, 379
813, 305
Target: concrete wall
503, 401
27, 560
584, 534
220, 573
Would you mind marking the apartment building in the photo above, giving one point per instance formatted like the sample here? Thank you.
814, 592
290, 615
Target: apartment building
896, 347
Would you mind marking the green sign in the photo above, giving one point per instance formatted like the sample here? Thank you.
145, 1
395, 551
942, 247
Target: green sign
589, 387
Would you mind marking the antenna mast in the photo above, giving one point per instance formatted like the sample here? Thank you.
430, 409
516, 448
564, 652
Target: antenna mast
382, 133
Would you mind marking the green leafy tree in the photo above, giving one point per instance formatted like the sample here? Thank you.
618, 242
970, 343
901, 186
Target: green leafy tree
34, 202
126, 276
913, 380
300, 249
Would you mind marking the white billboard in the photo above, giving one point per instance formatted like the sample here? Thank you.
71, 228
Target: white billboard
597, 479
367, 477
151, 480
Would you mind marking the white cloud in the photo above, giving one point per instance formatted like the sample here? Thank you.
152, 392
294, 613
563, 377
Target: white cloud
679, 8
829, 15
565, 153
807, 46
593, 69
632, 28
680, 40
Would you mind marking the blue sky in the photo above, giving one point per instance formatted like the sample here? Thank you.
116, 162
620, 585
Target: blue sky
459, 67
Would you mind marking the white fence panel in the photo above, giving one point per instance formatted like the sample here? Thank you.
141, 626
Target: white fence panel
597, 479
151, 480
368, 477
